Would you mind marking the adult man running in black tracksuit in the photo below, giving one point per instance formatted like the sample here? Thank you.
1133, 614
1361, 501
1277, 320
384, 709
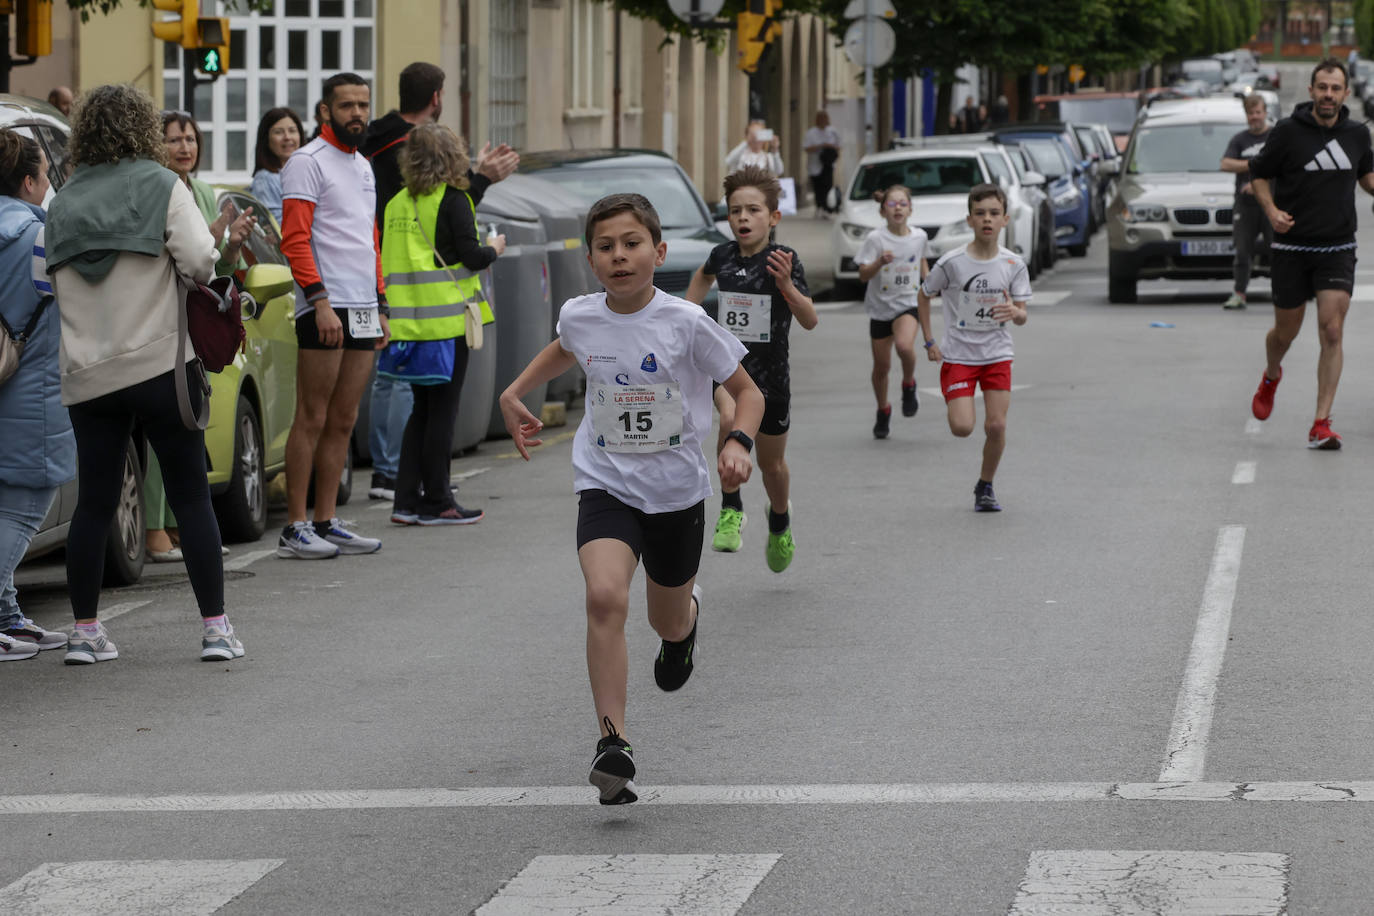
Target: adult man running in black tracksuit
1303, 179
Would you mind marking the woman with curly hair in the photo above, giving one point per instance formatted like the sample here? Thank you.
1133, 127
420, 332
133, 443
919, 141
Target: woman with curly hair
118, 233
430, 258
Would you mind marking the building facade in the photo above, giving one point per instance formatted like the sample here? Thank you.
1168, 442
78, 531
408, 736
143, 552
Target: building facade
538, 74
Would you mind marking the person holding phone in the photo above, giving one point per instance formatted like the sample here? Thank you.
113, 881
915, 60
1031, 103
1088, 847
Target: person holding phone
761, 150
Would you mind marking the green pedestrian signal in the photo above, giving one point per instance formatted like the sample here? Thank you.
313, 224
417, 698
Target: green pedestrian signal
208, 61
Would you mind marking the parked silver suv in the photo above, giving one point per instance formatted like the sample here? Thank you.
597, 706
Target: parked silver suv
1171, 217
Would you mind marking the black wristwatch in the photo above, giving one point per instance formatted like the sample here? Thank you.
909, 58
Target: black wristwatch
742, 439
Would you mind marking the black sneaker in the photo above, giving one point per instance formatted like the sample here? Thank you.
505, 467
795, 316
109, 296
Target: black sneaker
382, 487
984, 500
909, 403
673, 664
880, 428
613, 768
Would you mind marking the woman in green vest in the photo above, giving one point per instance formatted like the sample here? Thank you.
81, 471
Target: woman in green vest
431, 256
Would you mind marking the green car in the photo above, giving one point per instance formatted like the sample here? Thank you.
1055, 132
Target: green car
252, 401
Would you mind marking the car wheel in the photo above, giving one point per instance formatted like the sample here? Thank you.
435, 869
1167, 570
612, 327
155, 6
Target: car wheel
1120, 290
1079, 251
242, 509
125, 545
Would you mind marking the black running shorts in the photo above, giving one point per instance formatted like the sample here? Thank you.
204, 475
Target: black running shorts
1297, 276
308, 334
669, 543
877, 330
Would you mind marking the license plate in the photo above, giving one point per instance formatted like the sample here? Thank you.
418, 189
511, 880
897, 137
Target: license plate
1209, 246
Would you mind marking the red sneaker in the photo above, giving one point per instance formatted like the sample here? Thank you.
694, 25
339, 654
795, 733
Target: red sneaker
1263, 404
1322, 437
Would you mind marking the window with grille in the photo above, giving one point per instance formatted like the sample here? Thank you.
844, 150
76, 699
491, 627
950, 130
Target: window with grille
277, 58
509, 44
587, 25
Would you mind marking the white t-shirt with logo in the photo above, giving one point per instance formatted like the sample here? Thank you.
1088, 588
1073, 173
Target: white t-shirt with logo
892, 290
648, 405
968, 289
342, 188
816, 136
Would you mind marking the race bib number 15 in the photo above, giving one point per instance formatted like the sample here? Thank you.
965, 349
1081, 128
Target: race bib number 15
637, 418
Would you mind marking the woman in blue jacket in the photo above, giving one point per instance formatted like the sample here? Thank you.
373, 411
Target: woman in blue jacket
40, 451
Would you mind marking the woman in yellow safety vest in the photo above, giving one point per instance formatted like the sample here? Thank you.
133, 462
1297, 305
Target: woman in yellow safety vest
431, 255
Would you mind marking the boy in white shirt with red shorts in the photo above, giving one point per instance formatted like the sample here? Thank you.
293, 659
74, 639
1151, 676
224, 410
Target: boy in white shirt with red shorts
638, 467
982, 286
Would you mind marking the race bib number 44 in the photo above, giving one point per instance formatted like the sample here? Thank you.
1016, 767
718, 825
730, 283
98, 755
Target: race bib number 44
364, 323
746, 315
637, 418
975, 309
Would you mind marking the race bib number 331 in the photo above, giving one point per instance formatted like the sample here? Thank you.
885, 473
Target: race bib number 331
364, 323
637, 418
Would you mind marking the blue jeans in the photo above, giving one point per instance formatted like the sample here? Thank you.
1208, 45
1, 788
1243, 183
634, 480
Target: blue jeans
22, 510
388, 413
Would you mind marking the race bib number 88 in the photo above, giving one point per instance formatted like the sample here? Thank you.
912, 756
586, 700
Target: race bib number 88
637, 418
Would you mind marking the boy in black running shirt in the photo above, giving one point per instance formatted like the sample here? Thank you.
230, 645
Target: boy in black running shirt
762, 287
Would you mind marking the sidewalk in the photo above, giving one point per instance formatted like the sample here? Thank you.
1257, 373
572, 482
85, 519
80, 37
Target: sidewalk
811, 239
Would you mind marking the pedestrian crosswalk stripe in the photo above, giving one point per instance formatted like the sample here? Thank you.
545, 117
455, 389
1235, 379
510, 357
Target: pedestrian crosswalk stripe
1107, 882
680, 885
700, 795
187, 888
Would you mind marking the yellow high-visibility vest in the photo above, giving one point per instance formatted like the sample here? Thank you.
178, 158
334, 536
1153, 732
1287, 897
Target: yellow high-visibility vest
425, 302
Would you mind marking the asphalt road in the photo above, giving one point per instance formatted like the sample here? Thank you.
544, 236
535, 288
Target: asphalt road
1145, 687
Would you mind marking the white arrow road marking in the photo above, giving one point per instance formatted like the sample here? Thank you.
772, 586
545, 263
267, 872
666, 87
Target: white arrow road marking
1106, 882
1253, 426
1187, 751
194, 888
682, 885
1244, 472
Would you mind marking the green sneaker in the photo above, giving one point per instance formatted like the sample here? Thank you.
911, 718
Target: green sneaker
728, 527
781, 546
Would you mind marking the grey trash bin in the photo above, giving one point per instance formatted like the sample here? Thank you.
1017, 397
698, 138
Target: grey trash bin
564, 217
519, 294
479, 384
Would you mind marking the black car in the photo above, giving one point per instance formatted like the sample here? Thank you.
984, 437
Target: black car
591, 174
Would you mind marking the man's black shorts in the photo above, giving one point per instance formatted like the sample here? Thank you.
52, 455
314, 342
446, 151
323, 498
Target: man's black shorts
308, 334
1298, 276
669, 543
777, 412
878, 330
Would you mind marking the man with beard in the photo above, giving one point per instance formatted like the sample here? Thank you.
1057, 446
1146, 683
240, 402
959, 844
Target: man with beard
1304, 179
329, 236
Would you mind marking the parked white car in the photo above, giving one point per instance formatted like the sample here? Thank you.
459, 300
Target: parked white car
940, 178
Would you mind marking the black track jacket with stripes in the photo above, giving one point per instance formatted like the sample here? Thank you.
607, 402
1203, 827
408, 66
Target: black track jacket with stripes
1312, 171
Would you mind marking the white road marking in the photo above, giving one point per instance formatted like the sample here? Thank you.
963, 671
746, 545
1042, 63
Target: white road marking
1244, 472
1110, 882
122, 608
836, 306
240, 561
648, 885
1050, 297
380, 505
697, 796
191, 888
1253, 426
1187, 750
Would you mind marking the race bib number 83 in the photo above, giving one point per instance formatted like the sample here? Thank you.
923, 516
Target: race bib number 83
637, 418
746, 315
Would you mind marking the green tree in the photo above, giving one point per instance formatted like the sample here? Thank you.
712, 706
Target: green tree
88, 7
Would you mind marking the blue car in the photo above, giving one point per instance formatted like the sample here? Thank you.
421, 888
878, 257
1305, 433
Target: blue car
1073, 222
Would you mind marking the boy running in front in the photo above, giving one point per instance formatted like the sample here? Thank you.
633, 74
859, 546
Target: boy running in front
984, 286
762, 286
642, 480
892, 262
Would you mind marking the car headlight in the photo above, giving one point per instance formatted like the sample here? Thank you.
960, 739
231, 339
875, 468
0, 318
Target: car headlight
1068, 199
958, 227
855, 231
1144, 213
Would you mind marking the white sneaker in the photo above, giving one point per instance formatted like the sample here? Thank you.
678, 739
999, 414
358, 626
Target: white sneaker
28, 631
14, 650
87, 650
299, 541
219, 644
348, 542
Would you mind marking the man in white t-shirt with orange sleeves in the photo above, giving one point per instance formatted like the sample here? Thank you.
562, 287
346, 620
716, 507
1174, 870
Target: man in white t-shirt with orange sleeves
329, 236
982, 286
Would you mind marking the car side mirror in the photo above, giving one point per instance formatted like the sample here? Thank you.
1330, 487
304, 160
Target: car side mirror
267, 281
1034, 178
1110, 166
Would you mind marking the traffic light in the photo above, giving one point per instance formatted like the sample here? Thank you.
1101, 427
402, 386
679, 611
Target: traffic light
206, 37
33, 27
756, 29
